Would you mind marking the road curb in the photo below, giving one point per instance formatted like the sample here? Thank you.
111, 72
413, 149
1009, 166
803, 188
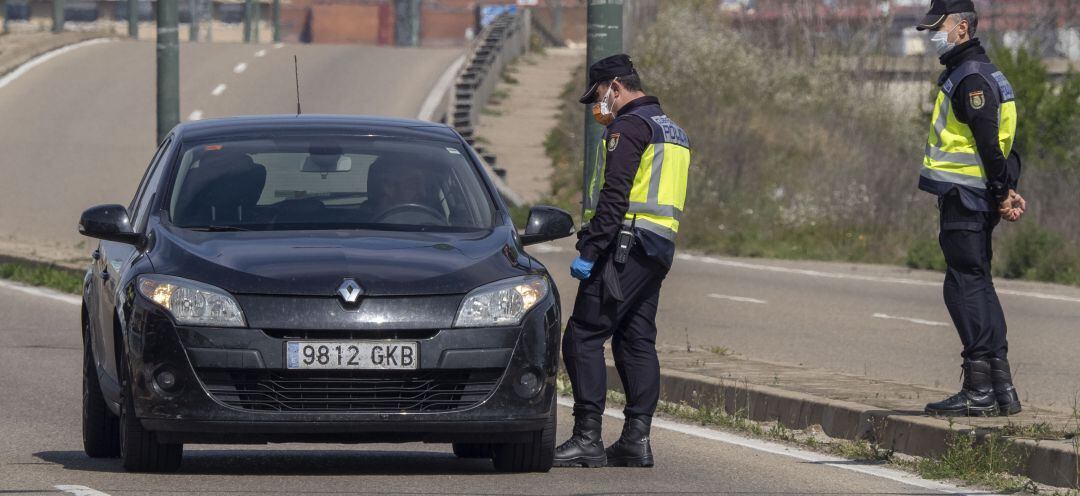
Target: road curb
1055, 463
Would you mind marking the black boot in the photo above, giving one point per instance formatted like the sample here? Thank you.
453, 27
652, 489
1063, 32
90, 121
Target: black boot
632, 449
976, 399
585, 448
1001, 376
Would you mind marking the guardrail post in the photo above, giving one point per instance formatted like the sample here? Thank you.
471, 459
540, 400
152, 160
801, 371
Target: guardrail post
604, 38
3, 12
247, 20
57, 16
168, 68
275, 13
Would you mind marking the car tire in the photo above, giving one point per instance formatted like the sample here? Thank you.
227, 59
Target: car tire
472, 450
535, 455
140, 450
100, 427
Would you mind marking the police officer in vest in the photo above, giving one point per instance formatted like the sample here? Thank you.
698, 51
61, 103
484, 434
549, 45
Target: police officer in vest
970, 166
632, 206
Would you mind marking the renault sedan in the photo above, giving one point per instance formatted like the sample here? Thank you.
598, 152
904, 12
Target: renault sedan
318, 279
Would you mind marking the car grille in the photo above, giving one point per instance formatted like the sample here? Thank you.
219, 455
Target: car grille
351, 391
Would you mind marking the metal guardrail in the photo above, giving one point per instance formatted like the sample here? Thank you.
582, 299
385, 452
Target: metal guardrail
498, 44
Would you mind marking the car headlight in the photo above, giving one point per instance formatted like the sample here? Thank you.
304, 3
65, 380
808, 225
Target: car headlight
502, 303
192, 303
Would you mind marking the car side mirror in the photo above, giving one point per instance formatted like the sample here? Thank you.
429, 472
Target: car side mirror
547, 224
108, 222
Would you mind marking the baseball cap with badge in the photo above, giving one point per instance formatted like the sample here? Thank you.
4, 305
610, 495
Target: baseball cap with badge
606, 69
940, 9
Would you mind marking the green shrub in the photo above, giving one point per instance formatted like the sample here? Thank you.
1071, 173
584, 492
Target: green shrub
925, 254
1032, 252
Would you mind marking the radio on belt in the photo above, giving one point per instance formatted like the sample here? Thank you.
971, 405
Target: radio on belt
625, 242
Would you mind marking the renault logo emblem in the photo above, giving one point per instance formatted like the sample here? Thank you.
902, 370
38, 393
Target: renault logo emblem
350, 291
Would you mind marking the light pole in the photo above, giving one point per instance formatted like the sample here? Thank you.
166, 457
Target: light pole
603, 38
57, 16
168, 68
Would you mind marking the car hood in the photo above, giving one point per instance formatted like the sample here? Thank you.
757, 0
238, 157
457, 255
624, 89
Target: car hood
315, 263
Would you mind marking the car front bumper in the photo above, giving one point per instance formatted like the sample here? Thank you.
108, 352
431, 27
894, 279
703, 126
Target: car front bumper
232, 385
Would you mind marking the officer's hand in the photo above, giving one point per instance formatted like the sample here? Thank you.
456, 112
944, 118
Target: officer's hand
1012, 207
581, 268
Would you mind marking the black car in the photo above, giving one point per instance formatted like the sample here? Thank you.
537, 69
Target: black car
318, 279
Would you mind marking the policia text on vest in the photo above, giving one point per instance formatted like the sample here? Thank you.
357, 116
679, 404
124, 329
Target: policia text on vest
639, 187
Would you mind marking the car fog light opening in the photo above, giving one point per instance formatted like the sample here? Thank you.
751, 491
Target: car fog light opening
502, 303
166, 380
192, 303
528, 384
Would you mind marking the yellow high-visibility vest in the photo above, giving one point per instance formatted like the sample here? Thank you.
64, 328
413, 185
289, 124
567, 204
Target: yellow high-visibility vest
952, 158
658, 195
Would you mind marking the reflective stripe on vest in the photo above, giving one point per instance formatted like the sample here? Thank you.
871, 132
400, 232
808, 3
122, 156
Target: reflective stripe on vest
658, 194
951, 156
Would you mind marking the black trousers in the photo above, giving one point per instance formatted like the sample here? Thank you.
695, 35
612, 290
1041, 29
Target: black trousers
966, 241
631, 325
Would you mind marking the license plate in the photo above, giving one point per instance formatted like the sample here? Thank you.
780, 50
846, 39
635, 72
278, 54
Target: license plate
377, 355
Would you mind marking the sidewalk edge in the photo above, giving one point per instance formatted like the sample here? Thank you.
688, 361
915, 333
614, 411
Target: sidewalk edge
1049, 462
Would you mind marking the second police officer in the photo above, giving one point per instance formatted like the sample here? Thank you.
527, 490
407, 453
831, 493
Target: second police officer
969, 164
633, 202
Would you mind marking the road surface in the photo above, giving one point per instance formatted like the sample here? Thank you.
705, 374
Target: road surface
879, 321
40, 362
79, 129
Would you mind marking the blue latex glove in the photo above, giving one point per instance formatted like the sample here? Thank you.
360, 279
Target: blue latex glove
581, 268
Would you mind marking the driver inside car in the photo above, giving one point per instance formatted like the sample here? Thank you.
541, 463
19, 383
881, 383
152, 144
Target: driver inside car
400, 191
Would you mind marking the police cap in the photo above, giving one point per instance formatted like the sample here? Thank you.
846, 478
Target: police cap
940, 9
606, 69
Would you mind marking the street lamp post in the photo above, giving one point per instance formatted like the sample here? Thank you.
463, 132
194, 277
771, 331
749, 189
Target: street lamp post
276, 14
133, 18
193, 27
57, 16
168, 68
247, 20
604, 38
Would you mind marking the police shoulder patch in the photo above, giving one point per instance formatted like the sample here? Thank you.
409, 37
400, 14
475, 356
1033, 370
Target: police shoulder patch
613, 141
977, 99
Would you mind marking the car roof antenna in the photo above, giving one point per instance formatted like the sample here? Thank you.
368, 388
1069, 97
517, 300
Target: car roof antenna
296, 69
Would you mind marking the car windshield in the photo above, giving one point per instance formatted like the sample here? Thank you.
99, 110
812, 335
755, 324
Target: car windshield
298, 182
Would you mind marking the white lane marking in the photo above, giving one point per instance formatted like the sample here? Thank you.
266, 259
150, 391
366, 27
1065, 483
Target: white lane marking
854, 277
260, 53
195, 115
427, 109
240, 68
793, 452
740, 299
45, 57
278, 45
218, 90
546, 248
36, 291
80, 490
913, 321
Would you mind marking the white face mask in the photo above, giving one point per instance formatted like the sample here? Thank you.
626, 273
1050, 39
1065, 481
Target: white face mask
602, 109
940, 41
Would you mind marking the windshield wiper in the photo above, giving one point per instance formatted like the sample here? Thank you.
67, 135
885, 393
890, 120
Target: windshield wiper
219, 228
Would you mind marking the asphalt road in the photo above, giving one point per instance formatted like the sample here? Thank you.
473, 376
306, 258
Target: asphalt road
878, 321
79, 129
40, 446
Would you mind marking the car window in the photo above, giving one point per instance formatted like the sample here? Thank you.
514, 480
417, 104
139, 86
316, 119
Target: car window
150, 188
135, 200
303, 182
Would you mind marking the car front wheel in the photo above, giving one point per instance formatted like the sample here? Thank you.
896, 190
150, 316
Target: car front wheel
535, 455
140, 450
101, 428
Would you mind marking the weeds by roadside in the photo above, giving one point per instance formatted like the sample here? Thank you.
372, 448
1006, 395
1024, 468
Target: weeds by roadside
65, 280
